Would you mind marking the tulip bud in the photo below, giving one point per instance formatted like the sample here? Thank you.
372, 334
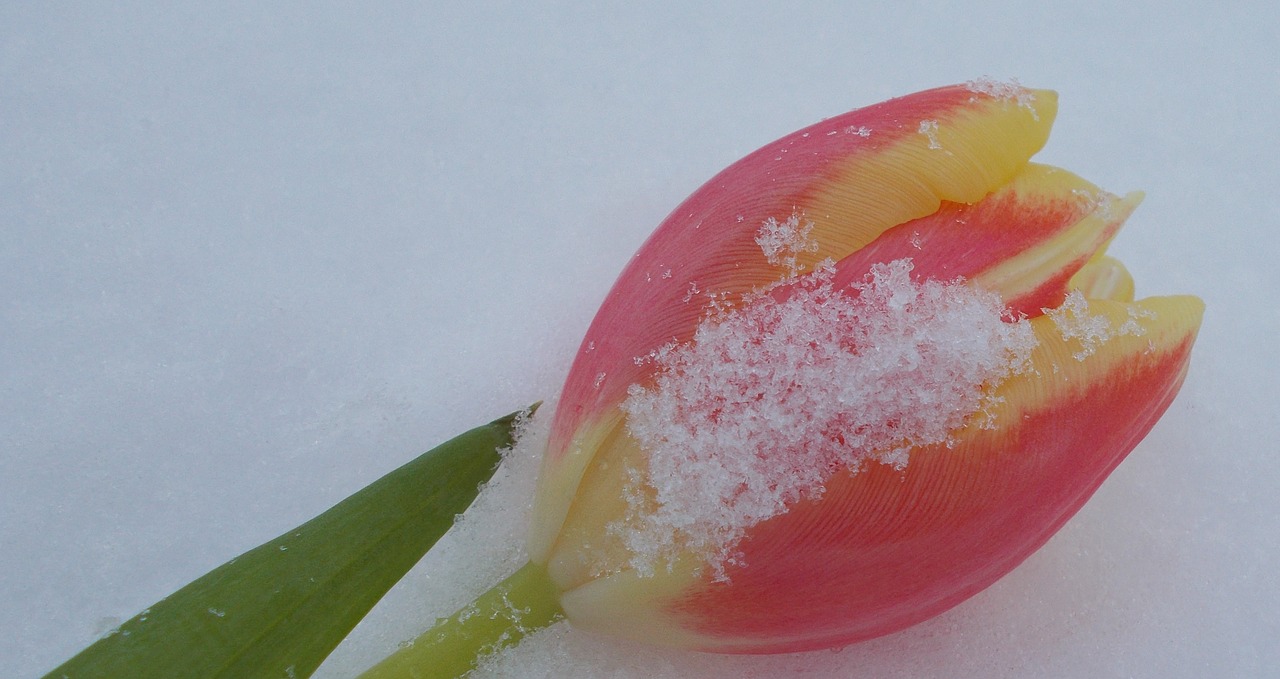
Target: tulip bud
851, 381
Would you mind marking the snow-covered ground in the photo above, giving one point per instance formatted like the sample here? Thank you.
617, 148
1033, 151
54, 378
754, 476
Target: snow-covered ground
254, 257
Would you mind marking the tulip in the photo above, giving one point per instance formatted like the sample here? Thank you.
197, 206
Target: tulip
851, 381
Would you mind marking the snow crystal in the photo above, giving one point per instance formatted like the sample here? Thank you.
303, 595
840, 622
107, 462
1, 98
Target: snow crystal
1074, 322
783, 242
768, 400
929, 128
1008, 91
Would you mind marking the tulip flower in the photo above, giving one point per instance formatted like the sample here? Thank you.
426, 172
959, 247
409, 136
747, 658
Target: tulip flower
854, 379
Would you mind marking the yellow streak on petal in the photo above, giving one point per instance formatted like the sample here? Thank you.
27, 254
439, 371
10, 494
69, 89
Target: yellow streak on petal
589, 455
1135, 333
618, 601
969, 153
584, 545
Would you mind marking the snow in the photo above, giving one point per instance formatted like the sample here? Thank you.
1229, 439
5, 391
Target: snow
1091, 331
929, 128
783, 242
253, 257
826, 379
1010, 90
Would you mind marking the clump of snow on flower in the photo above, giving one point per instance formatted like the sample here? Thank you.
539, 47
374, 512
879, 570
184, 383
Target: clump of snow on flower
1074, 322
767, 401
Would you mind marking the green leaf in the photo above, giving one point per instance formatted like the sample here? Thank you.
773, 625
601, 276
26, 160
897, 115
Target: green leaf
279, 609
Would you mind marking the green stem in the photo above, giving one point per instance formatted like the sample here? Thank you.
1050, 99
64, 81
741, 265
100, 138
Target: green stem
523, 603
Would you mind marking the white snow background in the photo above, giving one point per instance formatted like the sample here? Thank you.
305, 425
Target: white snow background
253, 257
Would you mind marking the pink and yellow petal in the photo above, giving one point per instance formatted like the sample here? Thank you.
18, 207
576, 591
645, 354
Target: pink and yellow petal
883, 549
1024, 241
949, 144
